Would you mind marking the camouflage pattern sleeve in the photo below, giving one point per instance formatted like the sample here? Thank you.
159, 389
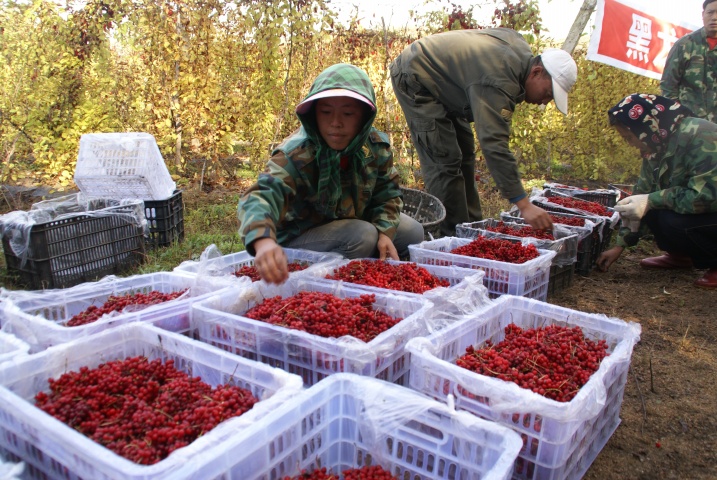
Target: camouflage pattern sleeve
687, 175
266, 202
385, 206
673, 72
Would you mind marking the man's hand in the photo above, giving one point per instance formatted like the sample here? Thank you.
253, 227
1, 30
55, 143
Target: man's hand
633, 207
270, 261
534, 215
385, 247
608, 257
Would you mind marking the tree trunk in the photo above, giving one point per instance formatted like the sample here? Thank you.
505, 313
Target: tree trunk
579, 25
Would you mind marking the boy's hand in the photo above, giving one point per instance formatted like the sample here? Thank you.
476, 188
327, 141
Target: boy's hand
385, 247
270, 261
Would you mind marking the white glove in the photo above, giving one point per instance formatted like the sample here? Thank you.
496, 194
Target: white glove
633, 225
633, 207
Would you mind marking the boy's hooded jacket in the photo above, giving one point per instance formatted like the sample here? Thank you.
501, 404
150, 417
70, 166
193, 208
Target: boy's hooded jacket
306, 183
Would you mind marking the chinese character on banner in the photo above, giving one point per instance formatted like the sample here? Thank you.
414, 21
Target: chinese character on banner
633, 40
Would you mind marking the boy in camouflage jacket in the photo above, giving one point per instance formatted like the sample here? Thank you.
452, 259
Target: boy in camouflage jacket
331, 185
675, 197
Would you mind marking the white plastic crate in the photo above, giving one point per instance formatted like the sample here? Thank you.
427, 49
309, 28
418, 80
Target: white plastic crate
39, 318
560, 439
227, 265
52, 449
565, 243
122, 165
348, 421
464, 294
11, 347
218, 321
529, 279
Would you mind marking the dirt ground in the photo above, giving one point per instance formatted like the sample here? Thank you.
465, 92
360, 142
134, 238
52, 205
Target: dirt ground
669, 411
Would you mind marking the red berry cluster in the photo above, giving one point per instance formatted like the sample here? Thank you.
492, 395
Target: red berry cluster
119, 303
375, 472
406, 277
498, 249
584, 205
572, 221
142, 410
526, 231
325, 314
552, 361
251, 271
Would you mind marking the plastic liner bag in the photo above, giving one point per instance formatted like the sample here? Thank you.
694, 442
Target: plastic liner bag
16, 226
565, 242
11, 471
513, 216
464, 294
613, 219
40, 317
432, 356
212, 263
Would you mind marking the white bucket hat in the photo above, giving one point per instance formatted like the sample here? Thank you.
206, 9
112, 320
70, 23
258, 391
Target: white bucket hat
305, 106
564, 72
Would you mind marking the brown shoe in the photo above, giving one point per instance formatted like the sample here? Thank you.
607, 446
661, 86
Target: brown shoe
708, 280
667, 261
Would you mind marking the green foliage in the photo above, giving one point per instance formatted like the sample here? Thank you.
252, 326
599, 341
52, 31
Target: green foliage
216, 83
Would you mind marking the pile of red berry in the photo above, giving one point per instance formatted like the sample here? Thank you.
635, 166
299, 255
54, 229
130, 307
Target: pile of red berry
584, 205
119, 303
325, 314
552, 361
142, 410
406, 277
516, 231
498, 249
571, 221
251, 271
375, 472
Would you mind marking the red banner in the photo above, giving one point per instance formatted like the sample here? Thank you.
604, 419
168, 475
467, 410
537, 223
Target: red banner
631, 39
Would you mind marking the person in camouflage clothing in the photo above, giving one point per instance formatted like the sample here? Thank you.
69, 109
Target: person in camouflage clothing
675, 197
690, 73
331, 185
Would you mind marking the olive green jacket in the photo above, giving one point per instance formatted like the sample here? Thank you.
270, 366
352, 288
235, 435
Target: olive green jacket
478, 75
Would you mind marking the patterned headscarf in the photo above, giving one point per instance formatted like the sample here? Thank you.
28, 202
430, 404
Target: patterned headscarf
651, 118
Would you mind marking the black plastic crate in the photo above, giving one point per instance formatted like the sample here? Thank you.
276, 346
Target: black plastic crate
82, 248
605, 198
588, 247
561, 278
165, 219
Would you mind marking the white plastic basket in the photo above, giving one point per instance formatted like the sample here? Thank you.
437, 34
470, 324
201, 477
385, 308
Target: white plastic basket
529, 279
228, 265
219, 321
464, 293
51, 449
39, 318
122, 165
11, 347
348, 421
560, 439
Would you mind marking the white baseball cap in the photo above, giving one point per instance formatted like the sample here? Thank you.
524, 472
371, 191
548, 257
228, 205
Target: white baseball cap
564, 72
305, 106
